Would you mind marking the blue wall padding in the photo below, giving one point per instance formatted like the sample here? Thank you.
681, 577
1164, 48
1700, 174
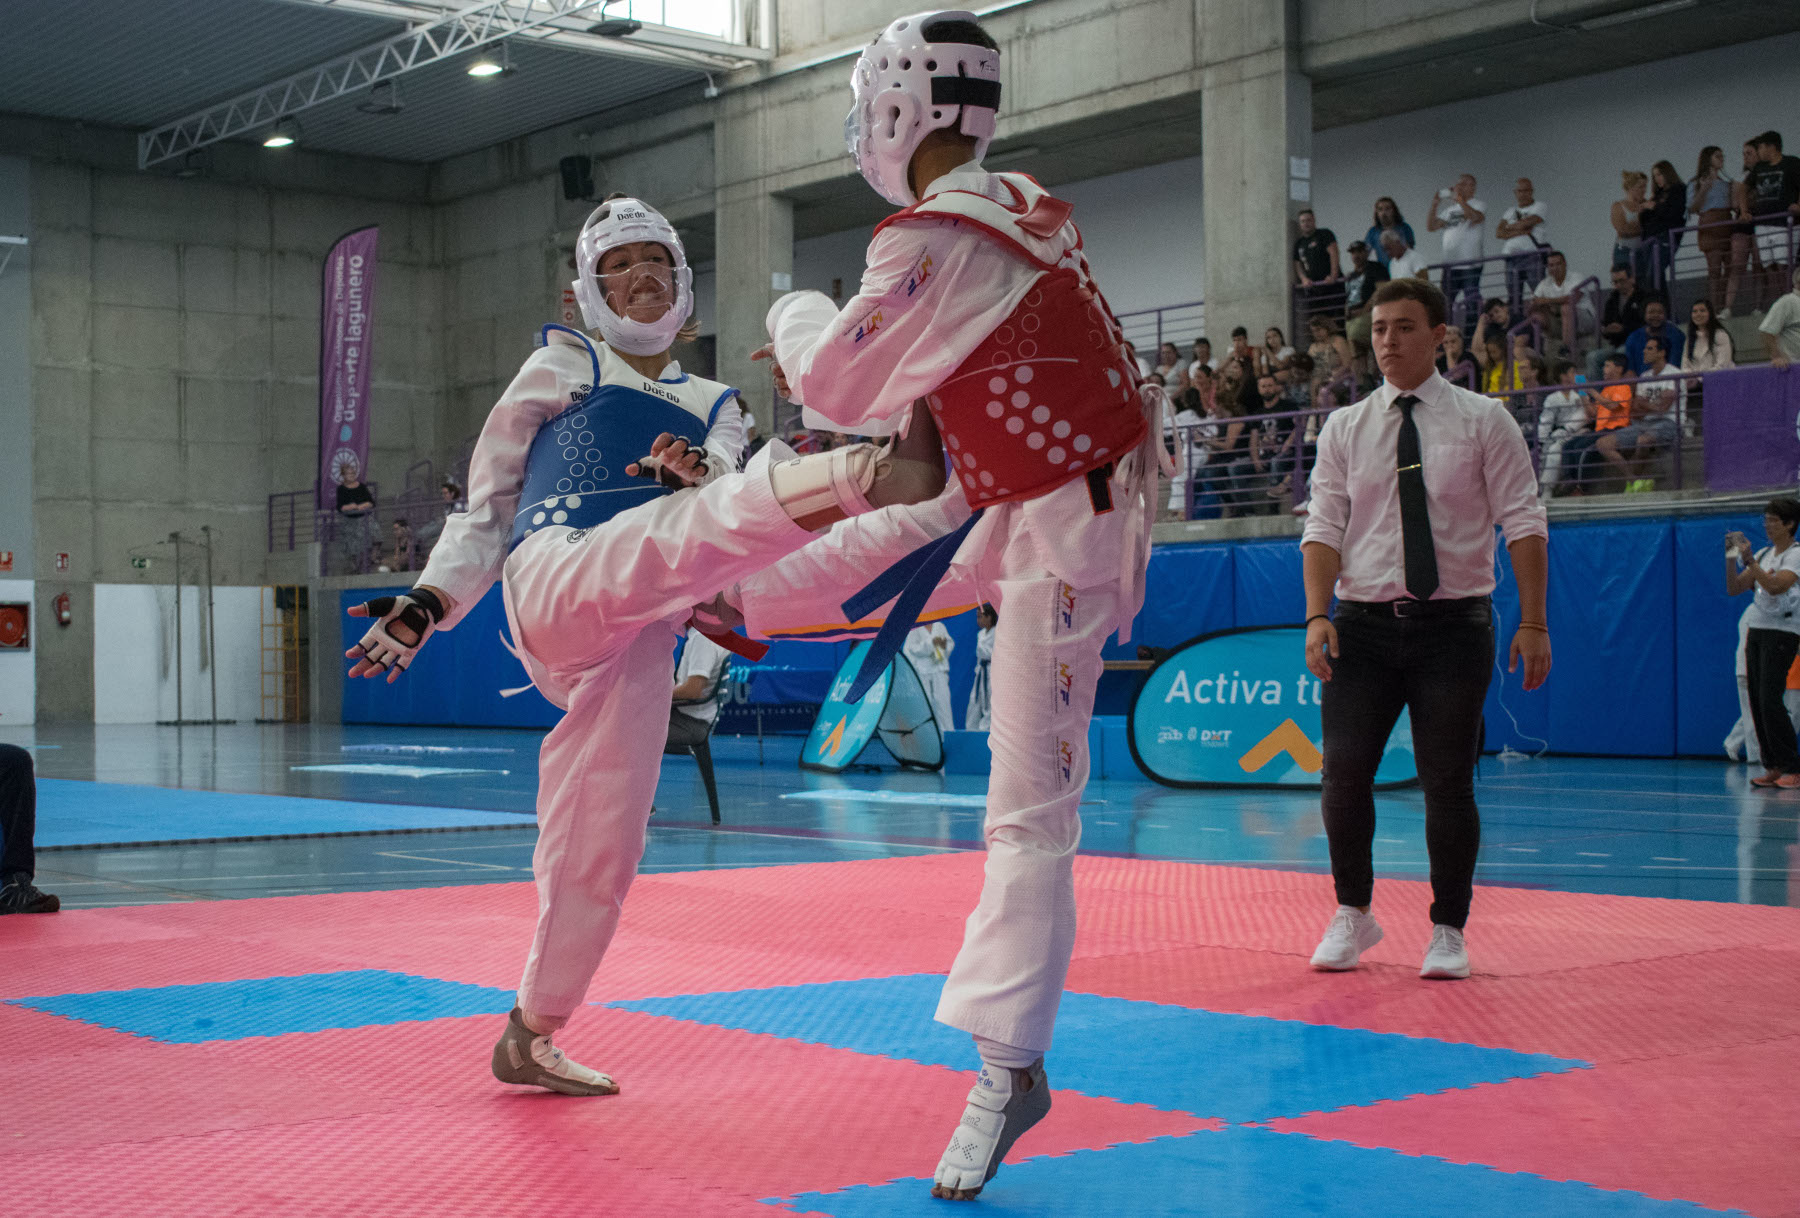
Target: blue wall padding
1644, 639
1267, 589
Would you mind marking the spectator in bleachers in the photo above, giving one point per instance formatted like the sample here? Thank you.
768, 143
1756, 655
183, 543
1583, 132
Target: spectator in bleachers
1388, 220
1297, 392
1658, 221
450, 497
1781, 328
1271, 453
1774, 196
1316, 266
1359, 294
1275, 352
356, 522
1202, 356
1612, 412
1183, 438
1628, 229
1402, 260
1565, 413
754, 440
1656, 325
1708, 350
1709, 206
1744, 255
1229, 469
1655, 418
1453, 359
1144, 368
1624, 314
1552, 295
1168, 362
1461, 217
1242, 360
1495, 321
1331, 353
1532, 379
401, 552
1523, 241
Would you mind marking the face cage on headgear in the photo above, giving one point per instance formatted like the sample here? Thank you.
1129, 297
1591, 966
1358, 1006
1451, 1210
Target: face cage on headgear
902, 72
622, 222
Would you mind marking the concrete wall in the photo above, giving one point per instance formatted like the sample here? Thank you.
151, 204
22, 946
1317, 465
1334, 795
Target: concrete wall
1571, 138
15, 366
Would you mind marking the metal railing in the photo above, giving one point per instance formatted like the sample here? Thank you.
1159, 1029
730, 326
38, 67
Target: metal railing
1682, 269
1148, 329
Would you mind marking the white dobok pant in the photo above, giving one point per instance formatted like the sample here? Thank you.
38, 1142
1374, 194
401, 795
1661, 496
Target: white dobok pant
595, 613
1007, 979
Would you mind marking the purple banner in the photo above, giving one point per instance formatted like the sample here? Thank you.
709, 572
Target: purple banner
346, 324
1751, 417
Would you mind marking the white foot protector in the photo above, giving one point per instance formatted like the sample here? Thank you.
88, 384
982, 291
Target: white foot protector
998, 1112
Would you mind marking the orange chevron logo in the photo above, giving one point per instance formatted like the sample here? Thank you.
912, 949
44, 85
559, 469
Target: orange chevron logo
835, 741
1289, 739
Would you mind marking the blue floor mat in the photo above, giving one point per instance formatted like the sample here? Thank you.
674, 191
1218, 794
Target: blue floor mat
1239, 1067
73, 813
1251, 1173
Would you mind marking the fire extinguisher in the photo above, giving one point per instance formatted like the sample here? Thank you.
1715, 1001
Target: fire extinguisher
60, 607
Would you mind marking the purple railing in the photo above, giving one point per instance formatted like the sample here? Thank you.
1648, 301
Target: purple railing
1684, 272
1148, 329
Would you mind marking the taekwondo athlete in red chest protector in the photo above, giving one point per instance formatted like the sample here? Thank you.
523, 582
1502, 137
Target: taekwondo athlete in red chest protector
979, 300
603, 494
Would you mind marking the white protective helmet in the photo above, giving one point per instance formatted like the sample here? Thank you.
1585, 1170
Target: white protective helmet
907, 87
620, 222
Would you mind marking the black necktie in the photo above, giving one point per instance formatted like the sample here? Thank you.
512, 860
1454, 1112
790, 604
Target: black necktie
1415, 521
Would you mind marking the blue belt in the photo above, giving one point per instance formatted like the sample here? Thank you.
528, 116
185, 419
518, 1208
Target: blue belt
912, 581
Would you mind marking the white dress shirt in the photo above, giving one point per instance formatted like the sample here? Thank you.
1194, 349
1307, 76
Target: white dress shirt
1477, 475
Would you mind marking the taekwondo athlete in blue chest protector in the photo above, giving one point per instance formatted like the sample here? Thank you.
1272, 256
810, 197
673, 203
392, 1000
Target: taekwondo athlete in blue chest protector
602, 496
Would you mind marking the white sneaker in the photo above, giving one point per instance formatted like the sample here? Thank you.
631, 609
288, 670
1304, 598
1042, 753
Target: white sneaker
998, 1111
1351, 933
529, 1059
1447, 959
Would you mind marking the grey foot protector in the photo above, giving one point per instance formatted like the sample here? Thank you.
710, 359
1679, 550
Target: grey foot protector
1022, 1111
513, 1063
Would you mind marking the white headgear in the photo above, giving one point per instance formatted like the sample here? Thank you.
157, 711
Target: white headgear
907, 87
620, 222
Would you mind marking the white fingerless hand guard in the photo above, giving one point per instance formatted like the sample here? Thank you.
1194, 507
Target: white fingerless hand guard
398, 618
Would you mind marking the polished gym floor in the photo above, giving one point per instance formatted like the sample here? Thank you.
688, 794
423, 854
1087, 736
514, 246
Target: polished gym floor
311, 933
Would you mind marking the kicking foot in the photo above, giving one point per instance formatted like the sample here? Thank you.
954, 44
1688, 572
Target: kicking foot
1351, 933
529, 1059
1002, 1105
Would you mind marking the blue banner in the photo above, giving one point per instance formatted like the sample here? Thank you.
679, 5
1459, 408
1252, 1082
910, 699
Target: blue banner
1238, 708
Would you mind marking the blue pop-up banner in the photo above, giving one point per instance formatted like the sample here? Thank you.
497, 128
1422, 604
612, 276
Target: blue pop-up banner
1238, 708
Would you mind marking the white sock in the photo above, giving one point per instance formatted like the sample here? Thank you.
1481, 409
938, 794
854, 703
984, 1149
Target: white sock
1003, 1056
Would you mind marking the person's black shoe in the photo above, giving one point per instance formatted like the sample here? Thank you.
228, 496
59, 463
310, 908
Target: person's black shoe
25, 897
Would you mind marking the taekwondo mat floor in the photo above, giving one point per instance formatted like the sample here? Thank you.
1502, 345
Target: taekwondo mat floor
1627, 1046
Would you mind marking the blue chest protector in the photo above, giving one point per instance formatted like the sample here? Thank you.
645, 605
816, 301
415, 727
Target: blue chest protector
575, 472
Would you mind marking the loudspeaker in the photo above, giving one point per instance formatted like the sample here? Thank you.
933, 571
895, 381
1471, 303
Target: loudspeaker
577, 176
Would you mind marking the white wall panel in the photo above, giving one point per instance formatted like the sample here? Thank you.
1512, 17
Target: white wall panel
134, 653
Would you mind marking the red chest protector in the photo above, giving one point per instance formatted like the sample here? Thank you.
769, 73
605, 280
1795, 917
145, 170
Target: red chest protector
1050, 394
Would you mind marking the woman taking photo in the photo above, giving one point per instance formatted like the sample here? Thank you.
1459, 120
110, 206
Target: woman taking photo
1709, 205
1774, 634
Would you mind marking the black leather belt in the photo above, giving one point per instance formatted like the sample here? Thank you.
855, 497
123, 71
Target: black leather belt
1416, 608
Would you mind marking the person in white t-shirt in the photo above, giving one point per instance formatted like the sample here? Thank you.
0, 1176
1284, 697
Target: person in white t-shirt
696, 703
1459, 215
1565, 414
1773, 636
1524, 241
1403, 261
1552, 296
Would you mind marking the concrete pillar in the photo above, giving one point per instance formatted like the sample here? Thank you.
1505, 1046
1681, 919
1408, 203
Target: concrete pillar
754, 260
1256, 128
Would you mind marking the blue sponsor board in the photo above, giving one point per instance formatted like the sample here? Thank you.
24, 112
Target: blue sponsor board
894, 708
1238, 708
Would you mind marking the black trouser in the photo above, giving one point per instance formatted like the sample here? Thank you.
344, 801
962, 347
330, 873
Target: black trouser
686, 730
1438, 668
1768, 654
18, 815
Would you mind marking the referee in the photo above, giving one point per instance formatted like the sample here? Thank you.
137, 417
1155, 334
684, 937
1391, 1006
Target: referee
1408, 487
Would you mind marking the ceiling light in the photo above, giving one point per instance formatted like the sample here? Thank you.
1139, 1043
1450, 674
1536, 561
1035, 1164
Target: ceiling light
384, 98
197, 163
488, 65
616, 27
284, 134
